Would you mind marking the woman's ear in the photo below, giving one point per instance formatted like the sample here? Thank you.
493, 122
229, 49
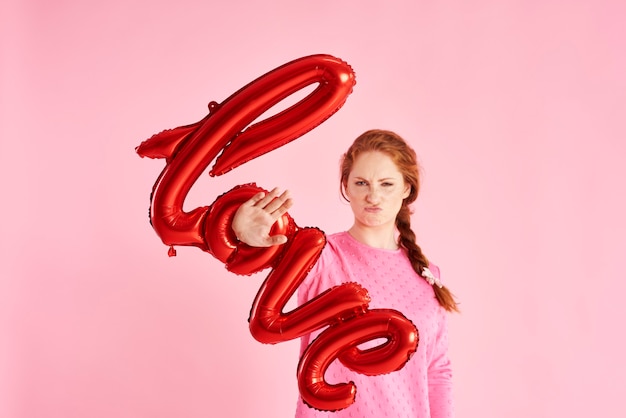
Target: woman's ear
407, 191
344, 192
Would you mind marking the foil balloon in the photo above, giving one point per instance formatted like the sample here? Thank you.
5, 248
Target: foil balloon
343, 310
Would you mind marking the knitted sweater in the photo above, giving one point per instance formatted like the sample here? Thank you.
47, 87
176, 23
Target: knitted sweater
422, 388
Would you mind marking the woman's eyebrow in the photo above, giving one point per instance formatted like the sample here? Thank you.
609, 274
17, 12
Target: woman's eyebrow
383, 179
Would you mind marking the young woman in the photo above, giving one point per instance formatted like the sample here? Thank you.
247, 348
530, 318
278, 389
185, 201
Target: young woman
380, 179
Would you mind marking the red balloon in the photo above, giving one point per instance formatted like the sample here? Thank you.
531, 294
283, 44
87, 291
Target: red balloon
189, 150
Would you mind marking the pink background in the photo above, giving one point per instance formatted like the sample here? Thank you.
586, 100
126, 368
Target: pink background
517, 110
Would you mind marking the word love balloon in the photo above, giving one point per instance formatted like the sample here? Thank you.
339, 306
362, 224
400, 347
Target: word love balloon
188, 151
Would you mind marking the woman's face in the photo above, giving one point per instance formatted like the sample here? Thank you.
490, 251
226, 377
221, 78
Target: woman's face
376, 189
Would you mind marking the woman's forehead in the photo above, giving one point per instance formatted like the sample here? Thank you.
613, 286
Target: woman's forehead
374, 164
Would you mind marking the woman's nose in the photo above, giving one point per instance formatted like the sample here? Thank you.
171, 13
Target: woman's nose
373, 195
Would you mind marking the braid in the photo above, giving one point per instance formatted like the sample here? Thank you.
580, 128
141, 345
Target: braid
408, 241
418, 259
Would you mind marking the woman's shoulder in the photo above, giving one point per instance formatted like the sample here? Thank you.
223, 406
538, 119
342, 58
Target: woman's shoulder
327, 263
338, 238
335, 244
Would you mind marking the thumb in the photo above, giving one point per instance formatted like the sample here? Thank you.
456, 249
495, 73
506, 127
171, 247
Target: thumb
276, 240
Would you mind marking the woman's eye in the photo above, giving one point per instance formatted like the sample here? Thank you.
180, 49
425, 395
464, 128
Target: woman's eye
360, 183
386, 184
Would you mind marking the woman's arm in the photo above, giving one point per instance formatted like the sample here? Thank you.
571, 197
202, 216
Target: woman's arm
440, 376
440, 370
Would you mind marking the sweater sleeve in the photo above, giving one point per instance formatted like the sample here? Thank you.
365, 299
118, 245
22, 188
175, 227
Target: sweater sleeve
440, 372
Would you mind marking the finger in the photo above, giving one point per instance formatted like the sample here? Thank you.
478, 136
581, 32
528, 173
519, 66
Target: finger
267, 198
254, 199
282, 209
277, 202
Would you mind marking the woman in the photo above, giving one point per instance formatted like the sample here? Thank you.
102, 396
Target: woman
380, 179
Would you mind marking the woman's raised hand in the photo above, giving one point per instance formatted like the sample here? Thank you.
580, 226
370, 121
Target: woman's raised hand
254, 218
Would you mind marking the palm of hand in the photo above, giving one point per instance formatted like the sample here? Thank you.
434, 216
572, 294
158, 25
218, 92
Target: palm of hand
253, 220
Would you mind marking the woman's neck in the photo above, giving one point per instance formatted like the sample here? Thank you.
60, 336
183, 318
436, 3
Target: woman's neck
375, 237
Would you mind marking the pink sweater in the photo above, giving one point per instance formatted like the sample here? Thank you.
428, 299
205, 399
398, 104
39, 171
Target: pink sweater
422, 388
